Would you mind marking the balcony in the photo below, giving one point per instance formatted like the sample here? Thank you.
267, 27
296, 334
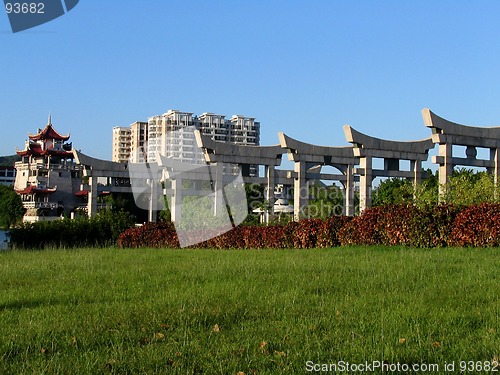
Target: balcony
48, 205
45, 166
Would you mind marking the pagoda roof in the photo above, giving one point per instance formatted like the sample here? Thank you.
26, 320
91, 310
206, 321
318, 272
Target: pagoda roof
32, 149
48, 133
84, 193
36, 190
36, 149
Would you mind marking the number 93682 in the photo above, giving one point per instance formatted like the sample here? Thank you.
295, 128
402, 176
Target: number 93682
25, 8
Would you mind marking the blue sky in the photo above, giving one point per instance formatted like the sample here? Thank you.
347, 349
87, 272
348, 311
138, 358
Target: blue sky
302, 67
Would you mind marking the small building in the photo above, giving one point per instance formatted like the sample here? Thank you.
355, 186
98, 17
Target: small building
47, 177
7, 175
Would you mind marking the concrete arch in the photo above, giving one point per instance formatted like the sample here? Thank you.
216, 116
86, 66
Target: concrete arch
447, 134
307, 157
367, 148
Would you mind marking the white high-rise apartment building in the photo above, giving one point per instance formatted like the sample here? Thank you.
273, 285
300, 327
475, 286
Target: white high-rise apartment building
213, 126
244, 130
121, 144
139, 142
167, 135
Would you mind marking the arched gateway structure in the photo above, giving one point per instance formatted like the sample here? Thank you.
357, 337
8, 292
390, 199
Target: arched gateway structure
307, 158
447, 134
354, 163
117, 176
247, 156
392, 152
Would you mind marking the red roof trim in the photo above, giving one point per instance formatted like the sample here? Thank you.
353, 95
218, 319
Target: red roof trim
35, 190
36, 150
48, 133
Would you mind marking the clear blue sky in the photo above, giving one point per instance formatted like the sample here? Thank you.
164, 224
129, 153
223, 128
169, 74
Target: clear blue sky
303, 67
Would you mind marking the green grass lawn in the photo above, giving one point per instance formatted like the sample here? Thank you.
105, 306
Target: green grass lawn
263, 312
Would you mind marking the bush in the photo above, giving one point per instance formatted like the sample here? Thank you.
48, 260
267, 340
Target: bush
477, 225
305, 234
433, 225
363, 229
408, 225
100, 231
149, 235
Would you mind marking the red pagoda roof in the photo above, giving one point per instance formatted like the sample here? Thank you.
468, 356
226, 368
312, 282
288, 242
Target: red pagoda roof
48, 133
36, 150
82, 193
32, 149
34, 190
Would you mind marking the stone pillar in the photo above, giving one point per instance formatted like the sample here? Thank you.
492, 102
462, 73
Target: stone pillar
176, 203
445, 167
365, 183
349, 191
92, 203
495, 158
300, 193
416, 168
269, 169
218, 181
153, 201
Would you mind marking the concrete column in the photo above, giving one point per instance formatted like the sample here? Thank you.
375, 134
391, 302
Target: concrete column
92, 199
269, 169
300, 193
445, 167
349, 191
218, 181
416, 168
176, 203
365, 183
153, 201
495, 158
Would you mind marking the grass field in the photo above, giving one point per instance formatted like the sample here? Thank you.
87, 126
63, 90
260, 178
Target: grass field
263, 312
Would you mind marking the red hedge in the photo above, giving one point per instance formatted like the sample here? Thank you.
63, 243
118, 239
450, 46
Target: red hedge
477, 225
437, 226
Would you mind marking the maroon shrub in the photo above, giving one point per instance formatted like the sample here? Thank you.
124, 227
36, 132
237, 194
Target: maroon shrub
149, 235
396, 224
477, 225
305, 235
328, 232
363, 229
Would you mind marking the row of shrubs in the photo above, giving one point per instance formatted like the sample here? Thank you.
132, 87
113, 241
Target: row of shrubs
303, 234
100, 231
436, 226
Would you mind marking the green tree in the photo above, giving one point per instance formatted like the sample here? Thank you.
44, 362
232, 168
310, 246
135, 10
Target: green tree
464, 188
255, 199
126, 202
324, 201
468, 187
392, 191
11, 207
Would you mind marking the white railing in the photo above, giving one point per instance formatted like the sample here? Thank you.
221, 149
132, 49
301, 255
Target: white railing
20, 166
29, 205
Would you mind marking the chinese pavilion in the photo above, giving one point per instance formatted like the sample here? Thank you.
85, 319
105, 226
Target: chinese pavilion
47, 176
